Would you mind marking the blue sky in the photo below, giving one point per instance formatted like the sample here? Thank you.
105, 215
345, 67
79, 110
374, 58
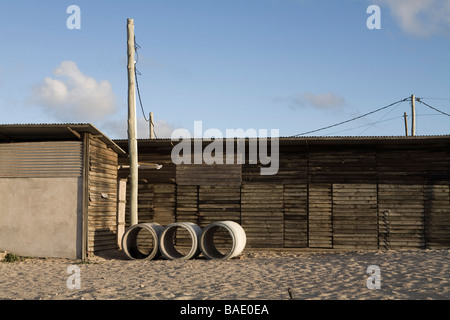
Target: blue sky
292, 65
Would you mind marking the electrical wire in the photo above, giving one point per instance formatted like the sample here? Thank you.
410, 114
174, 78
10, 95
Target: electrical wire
365, 125
435, 98
139, 94
136, 73
378, 121
385, 120
444, 113
346, 121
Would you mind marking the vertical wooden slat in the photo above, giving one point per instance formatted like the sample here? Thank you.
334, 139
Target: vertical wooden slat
217, 203
121, 207
187, 204
437, 216
355, 224
295, 209
406, 214
262, 214
320, 216
85, 215
102, 184
164, 203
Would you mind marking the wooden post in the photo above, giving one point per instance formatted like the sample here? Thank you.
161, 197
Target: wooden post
413, 115
406, 123
121, 203
132, 141
86, 175
152, 128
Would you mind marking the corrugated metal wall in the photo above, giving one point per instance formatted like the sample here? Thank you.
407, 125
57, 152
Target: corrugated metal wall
41, 159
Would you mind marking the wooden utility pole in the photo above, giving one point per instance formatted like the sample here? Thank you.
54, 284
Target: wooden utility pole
132, 140
406, 123
152, 128
413, 115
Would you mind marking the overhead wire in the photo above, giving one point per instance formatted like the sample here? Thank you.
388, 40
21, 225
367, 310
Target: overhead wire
378, 121
346, 121
365, 125
431, 107
136, 73
430, 98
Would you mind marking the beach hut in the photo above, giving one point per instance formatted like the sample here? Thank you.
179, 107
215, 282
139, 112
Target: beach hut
328, 192
58, 190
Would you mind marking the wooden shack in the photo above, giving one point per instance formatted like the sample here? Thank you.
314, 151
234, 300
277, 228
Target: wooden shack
59, 188
329, 192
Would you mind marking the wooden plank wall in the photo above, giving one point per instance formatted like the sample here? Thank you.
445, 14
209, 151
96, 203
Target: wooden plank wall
209, 175
293, 167
406, 214
262, 214
437, 216
355, 220
217, 203
324, 196
419, 165
320, 222
295, 215
156, 203
102, 208
164, 203
155, 154
187, 204
336, 164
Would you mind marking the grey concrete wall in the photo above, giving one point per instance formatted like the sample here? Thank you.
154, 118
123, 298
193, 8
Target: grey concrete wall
41, 217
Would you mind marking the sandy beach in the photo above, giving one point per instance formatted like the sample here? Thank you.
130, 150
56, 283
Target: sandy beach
267, 275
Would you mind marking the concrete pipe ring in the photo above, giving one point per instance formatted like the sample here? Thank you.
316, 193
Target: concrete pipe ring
167, 246
133, 249
238, 237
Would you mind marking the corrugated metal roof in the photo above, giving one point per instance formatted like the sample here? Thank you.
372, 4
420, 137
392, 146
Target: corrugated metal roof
52, 132
323, 140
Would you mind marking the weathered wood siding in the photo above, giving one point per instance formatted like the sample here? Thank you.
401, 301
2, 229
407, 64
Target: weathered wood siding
355, 221
437, 216
406, 214
209, 175
320, 220
102, 207
262, 214
349, 195
295, 218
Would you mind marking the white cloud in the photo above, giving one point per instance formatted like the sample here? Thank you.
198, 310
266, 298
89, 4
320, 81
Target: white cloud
324, 101
420, 17
73, 96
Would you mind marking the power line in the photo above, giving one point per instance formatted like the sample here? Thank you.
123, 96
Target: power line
435, 98
419, 100
346, 121
142, 107
365, 125
378, 121
139, 95
428, 114
136, 73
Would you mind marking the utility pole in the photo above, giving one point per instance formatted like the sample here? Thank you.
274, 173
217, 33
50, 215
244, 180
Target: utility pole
152, 128
132, 141
413, 115
406, 123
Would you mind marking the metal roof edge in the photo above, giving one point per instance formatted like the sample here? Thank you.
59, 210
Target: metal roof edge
72, 127
319, 139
